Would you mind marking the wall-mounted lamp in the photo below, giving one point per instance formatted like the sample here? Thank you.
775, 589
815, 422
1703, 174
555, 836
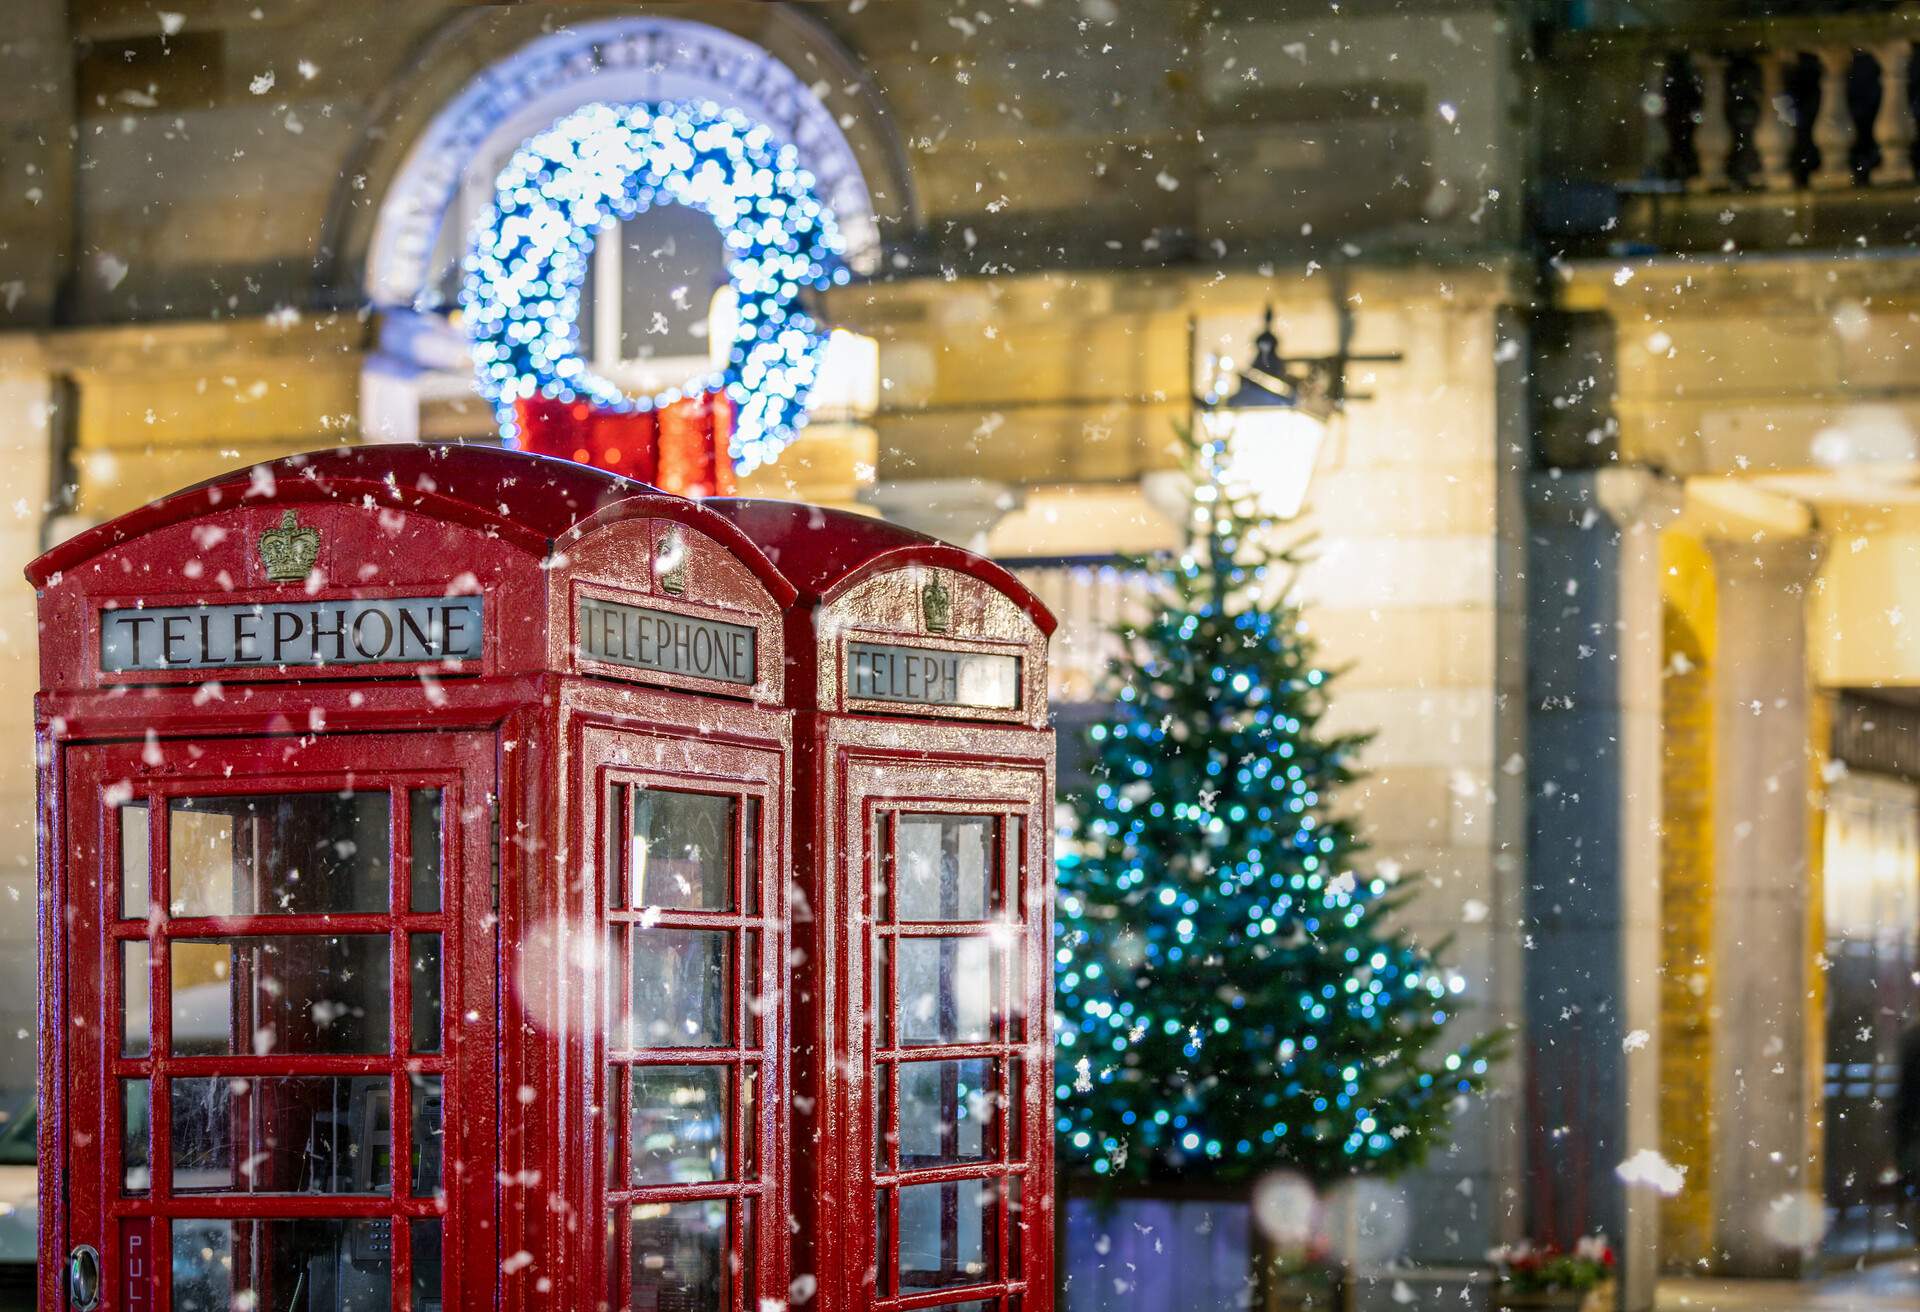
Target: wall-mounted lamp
1270, 425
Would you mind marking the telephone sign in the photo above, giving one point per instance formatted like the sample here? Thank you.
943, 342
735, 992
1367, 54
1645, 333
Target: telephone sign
275, 633
660, 640
887, 673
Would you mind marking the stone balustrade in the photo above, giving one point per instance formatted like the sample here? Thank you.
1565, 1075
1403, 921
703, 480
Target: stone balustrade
1782, 116
1091, 599
1774, 133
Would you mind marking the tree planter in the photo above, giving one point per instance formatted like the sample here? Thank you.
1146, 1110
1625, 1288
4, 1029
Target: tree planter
1172, 1248
1314, 1290
1597, 1299
1177, 1251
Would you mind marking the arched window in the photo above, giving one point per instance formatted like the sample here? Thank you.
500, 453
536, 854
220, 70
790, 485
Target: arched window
657, 291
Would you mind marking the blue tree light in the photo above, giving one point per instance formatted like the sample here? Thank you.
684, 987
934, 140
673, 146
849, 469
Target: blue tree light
605, 164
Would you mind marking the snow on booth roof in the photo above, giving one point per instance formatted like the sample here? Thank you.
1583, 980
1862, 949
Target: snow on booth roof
559, 566
532, 501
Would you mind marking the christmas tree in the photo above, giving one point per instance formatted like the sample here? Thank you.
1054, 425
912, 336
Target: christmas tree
1232, 995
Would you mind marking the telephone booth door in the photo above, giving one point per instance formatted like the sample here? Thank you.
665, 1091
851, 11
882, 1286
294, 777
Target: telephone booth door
954, 979
285, 948
690, 877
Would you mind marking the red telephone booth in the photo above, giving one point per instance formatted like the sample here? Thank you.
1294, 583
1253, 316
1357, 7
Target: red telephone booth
414, 848
923, 1143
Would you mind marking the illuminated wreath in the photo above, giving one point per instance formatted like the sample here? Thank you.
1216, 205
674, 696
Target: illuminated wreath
607, 163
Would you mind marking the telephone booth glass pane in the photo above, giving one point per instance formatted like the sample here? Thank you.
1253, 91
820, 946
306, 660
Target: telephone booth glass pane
135, 1010
306, 1134
429, 1134
945, 1234
750, 857
945, 1111
340, 1264
423, 833
680, 988
682, 850
424, 951
135, 1099
680, 1256
288, 994
946, 990
278, 854
134, 876
679, 1124
944, 866
1013, 894
426, 1265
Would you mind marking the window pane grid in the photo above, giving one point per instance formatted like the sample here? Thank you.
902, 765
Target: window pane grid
411, 1191
398, 922
966, 1208
918, 903
680, 987
652, 1255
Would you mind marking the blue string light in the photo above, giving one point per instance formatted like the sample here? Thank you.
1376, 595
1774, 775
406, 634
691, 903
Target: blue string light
605, 164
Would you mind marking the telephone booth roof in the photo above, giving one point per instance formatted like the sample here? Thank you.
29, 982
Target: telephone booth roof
526, 564
823, 552
876, 601
530, 500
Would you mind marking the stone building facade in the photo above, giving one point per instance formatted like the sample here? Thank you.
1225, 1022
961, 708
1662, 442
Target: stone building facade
1602, 550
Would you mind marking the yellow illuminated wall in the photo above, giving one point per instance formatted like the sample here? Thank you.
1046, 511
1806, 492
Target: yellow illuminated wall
1686, 894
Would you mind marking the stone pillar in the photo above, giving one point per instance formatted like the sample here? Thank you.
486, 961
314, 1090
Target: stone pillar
1767, 1058
957, 510
1591, 1040
37, 134
829, 464
31, 400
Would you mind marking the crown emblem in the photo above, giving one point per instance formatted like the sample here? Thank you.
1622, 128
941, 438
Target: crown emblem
936, 605
289, 551
670, 565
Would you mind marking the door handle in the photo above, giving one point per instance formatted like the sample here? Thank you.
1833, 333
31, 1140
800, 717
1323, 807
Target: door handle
83, 1278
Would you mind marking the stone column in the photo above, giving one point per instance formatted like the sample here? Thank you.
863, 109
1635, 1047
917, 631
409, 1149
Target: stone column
829, 464
31, 402
957, 510
1593, 861
38, 128
1767, 1055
